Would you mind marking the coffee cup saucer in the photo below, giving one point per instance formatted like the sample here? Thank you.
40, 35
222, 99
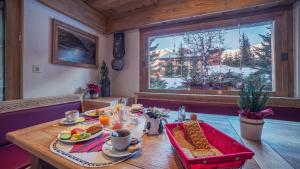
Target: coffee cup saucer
65, 121
109, 151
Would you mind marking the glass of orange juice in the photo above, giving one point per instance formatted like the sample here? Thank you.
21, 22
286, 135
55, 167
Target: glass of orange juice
104, 120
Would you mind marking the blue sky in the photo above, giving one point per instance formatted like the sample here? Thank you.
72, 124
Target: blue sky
231, 37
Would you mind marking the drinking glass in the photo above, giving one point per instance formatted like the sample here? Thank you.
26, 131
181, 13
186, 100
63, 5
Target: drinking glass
104, 120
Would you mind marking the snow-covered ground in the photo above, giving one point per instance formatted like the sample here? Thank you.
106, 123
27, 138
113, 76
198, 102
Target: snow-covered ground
246, 71
174, 82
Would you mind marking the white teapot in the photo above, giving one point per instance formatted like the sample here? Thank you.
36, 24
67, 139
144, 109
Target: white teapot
153, 124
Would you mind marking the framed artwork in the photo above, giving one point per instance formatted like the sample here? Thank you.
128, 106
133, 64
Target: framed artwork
72, 46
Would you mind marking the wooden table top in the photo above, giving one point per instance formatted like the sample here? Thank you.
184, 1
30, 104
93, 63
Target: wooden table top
156, 150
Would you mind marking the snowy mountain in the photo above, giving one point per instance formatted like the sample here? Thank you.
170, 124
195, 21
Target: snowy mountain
168, 53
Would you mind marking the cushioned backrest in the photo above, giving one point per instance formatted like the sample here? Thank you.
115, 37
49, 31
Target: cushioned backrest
18, 114
24, 118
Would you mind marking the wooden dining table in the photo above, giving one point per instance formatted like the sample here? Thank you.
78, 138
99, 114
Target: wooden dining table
156, 151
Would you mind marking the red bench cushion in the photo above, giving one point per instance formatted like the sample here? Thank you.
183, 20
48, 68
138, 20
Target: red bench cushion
13, 157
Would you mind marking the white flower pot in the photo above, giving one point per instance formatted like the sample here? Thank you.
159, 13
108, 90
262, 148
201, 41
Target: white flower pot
251, 129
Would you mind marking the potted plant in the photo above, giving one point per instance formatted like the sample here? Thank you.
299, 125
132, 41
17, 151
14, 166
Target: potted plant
93, 90
104, 80
252, 104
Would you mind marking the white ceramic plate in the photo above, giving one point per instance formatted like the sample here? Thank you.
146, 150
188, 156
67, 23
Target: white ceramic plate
91, 114
110, 152
66, 122
77, 141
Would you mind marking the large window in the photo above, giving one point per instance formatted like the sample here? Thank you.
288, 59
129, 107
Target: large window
217, 57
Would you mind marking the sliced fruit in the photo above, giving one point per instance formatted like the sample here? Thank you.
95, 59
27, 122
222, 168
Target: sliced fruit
77, 131
65, 136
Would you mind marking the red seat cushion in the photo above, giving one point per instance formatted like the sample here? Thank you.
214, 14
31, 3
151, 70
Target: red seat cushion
13, 157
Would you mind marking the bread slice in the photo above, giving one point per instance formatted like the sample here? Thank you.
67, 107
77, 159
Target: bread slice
196, 135
180, 138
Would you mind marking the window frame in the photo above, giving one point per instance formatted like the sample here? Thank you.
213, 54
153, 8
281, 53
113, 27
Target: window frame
283, 29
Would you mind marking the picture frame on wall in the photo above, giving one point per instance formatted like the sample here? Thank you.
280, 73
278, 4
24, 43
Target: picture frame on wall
73, 47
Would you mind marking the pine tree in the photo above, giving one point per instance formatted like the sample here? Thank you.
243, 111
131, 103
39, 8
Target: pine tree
181, 58
169, 69
155, 67
264, 60
264, 52
245, 52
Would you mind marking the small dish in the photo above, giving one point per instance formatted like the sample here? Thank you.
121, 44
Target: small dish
93, 113
109, 151
66, 122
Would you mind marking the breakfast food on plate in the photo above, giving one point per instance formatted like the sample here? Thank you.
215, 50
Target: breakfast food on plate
93, 113
77, 131
100, 111
94, 129
65, 135
80, 132
195, 134
80, 136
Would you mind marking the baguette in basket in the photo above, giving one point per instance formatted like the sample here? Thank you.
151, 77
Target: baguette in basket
193, 141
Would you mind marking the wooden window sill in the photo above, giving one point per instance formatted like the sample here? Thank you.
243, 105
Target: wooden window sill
292, 102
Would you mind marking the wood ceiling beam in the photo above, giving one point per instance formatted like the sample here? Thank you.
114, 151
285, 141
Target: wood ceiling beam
79, 11
170, 10
112, 7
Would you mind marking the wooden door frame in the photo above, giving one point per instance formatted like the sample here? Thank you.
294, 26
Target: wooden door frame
13, 49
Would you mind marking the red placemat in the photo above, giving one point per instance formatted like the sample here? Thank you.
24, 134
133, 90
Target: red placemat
94, 145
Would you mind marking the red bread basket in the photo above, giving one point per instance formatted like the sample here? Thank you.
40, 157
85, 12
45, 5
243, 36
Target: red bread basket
234, 153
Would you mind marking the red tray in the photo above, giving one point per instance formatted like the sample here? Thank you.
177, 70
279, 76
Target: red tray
234, 153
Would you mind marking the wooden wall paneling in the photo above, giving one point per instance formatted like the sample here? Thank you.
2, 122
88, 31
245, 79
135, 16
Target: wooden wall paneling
279, 64
111, 7
13, 49
168, 11
143, 62
290, 48
79, 11
216, 99
284, 44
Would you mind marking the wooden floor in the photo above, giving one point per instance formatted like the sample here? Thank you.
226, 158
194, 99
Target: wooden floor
280, 145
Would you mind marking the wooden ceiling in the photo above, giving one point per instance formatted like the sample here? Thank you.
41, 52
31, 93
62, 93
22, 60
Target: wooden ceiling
110, 16
112, 7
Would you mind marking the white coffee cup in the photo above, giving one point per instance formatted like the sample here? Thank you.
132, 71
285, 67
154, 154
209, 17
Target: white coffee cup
72, 115
122, 140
